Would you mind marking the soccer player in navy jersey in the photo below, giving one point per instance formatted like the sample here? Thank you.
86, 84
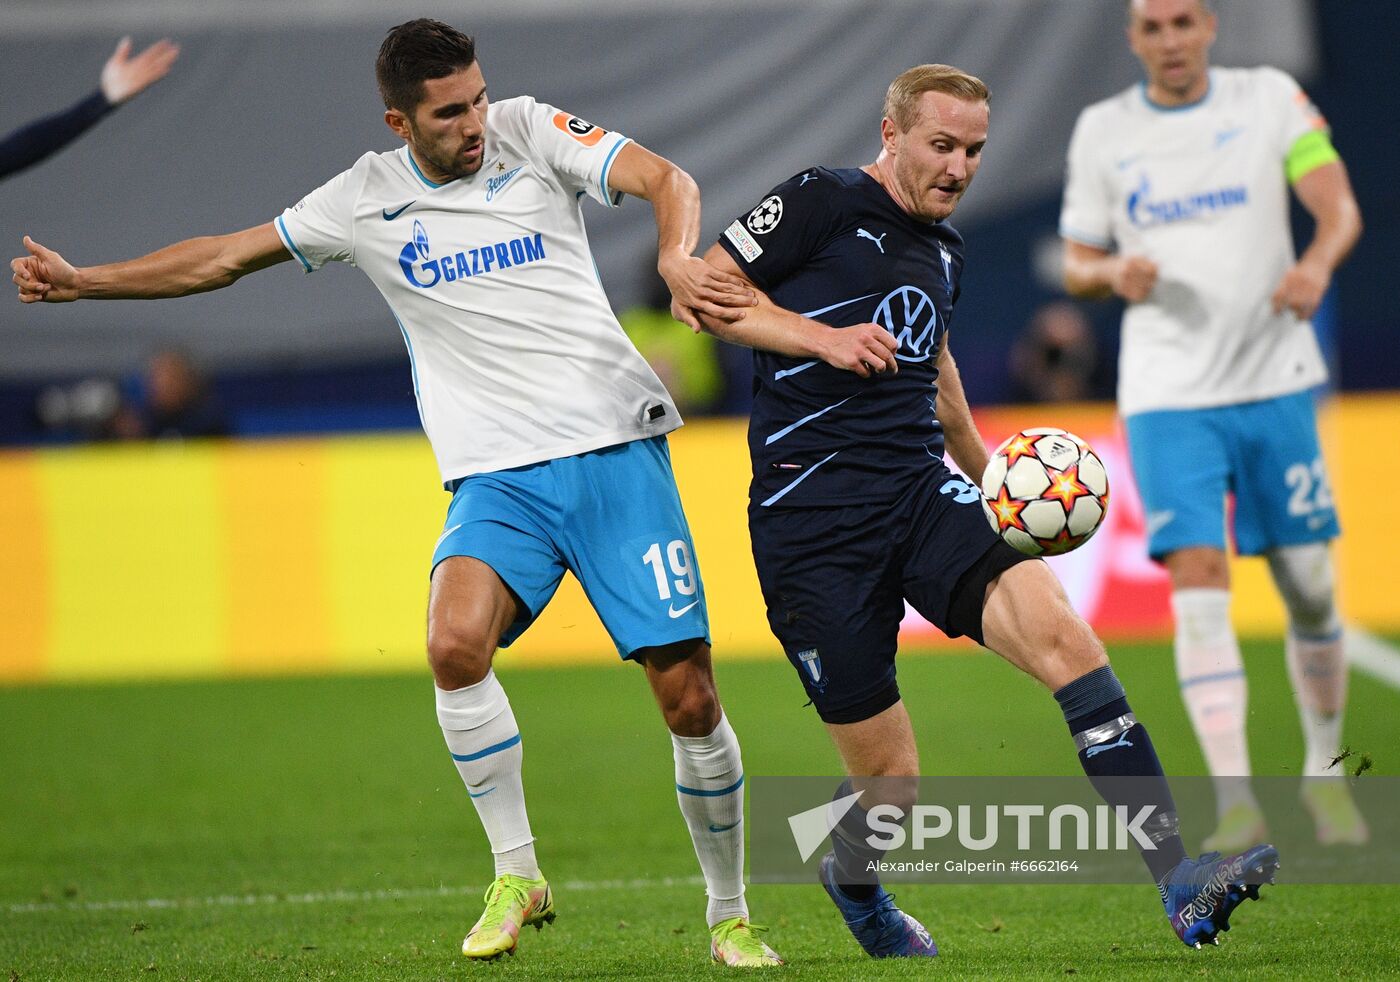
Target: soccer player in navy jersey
853, 511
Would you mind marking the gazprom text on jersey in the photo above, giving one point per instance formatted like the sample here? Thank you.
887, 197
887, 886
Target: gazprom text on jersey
474, 261
1143, 212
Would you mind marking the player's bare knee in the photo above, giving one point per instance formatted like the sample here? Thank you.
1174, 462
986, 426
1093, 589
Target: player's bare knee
1198, 567
459, 654
692, 709
1304, 577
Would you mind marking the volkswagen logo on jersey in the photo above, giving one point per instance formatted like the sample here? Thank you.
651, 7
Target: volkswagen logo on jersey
425, 273
911, 316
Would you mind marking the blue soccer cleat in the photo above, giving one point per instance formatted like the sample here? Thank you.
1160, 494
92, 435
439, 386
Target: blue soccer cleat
882, 929
1201, 894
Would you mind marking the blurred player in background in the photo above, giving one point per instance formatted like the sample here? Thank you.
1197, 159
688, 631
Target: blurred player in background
547, 425
123, 78
1177, 202
852, 509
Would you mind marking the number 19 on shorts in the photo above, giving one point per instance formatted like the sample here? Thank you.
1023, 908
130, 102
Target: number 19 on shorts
673, 569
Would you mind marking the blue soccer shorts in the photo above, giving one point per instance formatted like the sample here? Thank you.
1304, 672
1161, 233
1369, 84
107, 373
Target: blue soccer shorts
612, 517
1266, 454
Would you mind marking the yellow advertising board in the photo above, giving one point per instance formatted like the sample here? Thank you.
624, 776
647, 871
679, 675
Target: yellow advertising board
238, 557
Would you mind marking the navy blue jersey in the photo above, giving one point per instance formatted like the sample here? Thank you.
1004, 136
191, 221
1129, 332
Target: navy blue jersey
834, 246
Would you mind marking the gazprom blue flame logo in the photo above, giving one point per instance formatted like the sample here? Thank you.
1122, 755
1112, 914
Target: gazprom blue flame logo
912, 317
470, 261
416, 250
1145, 212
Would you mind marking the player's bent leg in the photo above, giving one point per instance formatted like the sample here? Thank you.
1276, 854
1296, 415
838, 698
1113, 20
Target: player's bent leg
1213, 687
468, 609
1025, 610
1028, 620
1317, 668
710, 792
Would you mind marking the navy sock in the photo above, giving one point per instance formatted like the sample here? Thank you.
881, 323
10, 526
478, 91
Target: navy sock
1113, 744
853, 854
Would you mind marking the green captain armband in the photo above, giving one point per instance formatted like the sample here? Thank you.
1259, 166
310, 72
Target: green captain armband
1309, 152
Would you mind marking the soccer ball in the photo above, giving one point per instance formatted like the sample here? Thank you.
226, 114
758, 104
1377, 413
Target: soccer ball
1045, 491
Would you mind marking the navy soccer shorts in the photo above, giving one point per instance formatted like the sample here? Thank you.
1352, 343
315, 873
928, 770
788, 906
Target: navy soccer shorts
835, 579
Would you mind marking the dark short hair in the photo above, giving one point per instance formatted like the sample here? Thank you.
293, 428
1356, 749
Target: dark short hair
414, 52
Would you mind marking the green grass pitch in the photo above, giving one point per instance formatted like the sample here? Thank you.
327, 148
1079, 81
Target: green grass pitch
315, 828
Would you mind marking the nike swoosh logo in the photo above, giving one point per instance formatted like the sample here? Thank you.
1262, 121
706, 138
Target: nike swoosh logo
717, 829
677, 613
389, 216
481, 794
1225, 136
444, 535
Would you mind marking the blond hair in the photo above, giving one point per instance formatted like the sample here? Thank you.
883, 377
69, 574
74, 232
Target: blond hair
902, 97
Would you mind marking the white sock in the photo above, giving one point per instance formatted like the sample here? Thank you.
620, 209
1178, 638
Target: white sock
1313, 648
1211, 675
484, 741
710, 789
1317, 668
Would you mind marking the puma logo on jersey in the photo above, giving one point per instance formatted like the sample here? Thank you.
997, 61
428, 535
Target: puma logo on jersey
863, 234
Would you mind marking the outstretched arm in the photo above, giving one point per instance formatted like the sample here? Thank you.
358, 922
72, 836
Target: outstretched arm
1326, 194
696, 287
123, 77
960, 435
192, 266
866, 349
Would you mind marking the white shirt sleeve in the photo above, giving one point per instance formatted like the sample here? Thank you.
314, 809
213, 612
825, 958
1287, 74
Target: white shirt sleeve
579, 153
1290, 108
1086, 215
320, 227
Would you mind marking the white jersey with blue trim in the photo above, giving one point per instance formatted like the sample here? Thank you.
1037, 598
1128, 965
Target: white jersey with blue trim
1200, 190
516, 354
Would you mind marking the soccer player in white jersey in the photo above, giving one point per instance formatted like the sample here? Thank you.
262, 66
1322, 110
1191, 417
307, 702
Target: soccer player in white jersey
1177, 202
547, 425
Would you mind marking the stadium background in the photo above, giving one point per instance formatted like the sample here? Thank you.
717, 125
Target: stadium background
303, 546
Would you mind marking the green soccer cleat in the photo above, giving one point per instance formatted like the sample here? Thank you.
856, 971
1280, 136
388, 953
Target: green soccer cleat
1338, 821
735, 942
511, 903
1240, 827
